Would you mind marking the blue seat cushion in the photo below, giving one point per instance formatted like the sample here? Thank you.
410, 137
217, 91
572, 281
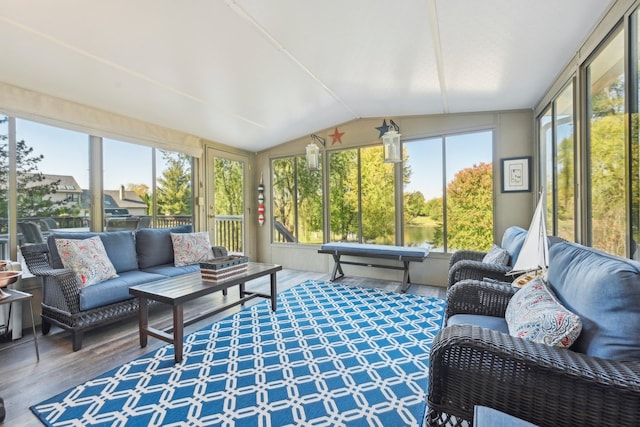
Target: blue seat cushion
114, 290
154, 246
604, 291
119, 245
363, 249
169, 270
512, 241
489, 322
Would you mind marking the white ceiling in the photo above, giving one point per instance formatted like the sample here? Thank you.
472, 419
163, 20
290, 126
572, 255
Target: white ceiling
256, 73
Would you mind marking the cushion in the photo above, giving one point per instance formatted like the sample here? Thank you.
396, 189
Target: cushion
87, 258
489, 322
512, 240
154, 246
535, 314
191, 248
496, 255
604, 291
120, 247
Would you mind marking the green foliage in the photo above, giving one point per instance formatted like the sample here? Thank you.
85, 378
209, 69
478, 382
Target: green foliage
32, 188
283, 188
309, 203
174, 186
343, 193
414, 204
228, 187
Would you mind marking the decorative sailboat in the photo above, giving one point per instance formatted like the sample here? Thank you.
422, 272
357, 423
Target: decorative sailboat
533, 259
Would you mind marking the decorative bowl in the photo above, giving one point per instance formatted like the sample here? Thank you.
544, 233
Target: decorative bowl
8, 277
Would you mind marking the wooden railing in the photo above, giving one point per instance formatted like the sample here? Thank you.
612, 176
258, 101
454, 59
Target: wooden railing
229, 232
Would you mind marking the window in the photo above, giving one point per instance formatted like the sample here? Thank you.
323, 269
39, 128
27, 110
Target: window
174, 201
361, 196
607, 149
448, 192
297, 201
556, 132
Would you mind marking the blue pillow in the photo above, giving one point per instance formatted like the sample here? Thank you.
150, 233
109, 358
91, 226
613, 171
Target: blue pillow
512, 242
154, 246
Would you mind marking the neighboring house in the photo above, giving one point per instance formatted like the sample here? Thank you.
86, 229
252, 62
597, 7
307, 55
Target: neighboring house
67, 189
124, 199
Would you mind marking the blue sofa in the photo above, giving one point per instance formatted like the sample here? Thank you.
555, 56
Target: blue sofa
141, 256
596, 381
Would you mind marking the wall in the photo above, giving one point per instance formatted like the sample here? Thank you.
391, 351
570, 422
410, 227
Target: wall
513, 132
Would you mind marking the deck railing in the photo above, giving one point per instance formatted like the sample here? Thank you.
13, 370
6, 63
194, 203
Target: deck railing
229, 232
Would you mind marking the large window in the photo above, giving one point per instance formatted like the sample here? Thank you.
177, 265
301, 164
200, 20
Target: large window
607, 148
361, 196
448, 192
297, 201
556, 130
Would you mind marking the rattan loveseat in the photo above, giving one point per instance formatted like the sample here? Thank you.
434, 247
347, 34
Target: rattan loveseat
140, 256
595, 382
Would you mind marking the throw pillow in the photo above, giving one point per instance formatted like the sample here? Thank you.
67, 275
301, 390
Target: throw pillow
496, 255
87, 258
534, 313
191, 248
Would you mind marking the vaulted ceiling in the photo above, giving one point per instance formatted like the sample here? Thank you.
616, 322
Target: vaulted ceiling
256, 73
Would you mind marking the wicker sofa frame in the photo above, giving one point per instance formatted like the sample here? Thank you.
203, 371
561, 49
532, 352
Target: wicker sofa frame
61, 297
545, 385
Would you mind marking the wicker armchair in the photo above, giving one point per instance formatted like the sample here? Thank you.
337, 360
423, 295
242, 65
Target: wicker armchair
545, 385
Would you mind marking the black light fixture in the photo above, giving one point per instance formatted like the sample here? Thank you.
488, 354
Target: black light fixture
391, 144
313, 152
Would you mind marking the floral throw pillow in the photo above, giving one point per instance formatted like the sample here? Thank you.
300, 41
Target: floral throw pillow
534, 313
87, 258
191, 248
496, 255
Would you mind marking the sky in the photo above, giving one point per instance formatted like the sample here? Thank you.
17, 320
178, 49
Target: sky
66, 152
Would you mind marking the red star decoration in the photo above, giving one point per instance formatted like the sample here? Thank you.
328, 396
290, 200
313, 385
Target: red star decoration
336, 136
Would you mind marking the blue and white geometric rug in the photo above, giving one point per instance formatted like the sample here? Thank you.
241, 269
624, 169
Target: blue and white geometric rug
331, 355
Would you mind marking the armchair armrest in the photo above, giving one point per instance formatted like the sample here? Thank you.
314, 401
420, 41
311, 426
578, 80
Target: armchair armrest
545, 385
465, 254
479, 297
477, 270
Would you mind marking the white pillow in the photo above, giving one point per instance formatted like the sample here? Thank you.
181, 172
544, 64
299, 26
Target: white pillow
534, 313
496, 255
191, 248
87, 258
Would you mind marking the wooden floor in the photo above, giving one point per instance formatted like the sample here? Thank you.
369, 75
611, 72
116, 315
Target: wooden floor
25, 382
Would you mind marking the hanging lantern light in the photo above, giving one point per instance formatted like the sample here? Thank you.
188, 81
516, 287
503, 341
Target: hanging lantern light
391, 144
313, 153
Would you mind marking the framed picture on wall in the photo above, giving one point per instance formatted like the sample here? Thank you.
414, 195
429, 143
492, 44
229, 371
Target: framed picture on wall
516, 174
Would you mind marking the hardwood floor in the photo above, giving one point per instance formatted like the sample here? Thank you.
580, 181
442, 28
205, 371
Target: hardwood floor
25, 382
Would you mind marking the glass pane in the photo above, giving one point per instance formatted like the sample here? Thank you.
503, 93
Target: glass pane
607, 148
284, 200
343, 196
229, 204
310, 222
423, 211
377, 197
545, 130
634, 93
565, 177
127, 180
469, 197
173, 185
53, 180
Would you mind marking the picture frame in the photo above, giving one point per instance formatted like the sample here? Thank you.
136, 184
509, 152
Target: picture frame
516, 174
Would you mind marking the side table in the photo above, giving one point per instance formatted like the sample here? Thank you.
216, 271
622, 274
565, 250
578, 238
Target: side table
17, 296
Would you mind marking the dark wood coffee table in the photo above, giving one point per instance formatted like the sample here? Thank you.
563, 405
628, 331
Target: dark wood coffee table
176, 291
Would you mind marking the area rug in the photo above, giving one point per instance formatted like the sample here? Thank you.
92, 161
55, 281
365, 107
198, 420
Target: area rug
331, 355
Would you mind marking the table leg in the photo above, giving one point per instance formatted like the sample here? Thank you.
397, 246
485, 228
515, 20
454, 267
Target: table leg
274, 292
33, 326
143, 319
178, 332
405, 277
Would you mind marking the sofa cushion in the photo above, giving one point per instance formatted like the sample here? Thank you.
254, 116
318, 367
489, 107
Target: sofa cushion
488, 322
496, 255
170, 270
191, 248
114, 290
535, 314
87, 258
154, 247
604, 291
512, 241
120, 247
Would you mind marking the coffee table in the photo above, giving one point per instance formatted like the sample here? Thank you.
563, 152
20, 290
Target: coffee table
176, 291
